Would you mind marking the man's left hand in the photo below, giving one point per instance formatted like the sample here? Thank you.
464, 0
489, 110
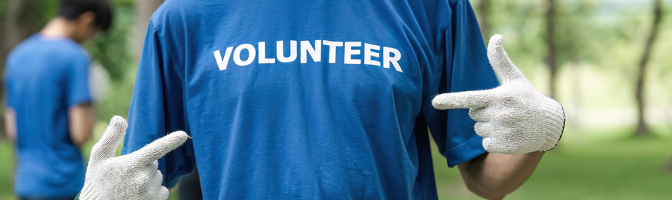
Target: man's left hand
513, 118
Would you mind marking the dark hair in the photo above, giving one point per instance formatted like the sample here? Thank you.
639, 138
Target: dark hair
72, 9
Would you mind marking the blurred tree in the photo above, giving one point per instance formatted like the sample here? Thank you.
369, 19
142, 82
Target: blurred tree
18, 20
642, 128
111, 50
551, 45
118, 50
144, 10
576, 47
575, 40
521, 23
484, 21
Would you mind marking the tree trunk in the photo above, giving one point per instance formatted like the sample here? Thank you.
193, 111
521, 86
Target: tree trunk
20, 21
15, 27
143, 10
484, 12
551, 47
576, 83
642, 128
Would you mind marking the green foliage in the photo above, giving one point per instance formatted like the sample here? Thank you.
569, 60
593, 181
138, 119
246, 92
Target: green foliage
3, 9
123, 3
522, 25
41, 11
575, 41
50, 7
111, 48
117, 102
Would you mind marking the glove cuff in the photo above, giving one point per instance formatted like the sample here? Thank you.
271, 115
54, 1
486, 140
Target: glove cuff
564, 120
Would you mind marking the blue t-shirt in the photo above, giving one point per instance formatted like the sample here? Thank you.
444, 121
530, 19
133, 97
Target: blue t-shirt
309, 99
45, 76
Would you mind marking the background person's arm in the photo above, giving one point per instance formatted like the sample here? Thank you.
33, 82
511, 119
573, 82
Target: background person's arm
493, 176
81, 120
10, 129
10, 124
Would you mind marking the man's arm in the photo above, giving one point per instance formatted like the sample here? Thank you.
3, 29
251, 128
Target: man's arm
81, 120
492, 175
517, 124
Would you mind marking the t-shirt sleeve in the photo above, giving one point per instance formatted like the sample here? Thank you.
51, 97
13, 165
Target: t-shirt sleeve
157, 107
464, 67
78, 91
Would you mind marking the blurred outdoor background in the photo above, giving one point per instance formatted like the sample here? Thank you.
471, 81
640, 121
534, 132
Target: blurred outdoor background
608, 62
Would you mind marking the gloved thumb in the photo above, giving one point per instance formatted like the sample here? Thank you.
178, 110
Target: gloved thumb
500, 61
107, 145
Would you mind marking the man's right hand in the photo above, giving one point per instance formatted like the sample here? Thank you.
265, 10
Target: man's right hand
132, 176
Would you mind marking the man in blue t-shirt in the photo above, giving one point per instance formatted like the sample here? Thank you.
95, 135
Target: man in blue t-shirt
322, 100
48, 108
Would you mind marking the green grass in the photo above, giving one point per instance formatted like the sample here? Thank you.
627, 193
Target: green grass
622, 168
614, 167
6, 167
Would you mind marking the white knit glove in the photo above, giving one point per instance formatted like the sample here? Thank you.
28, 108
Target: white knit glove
132, 176
513, 118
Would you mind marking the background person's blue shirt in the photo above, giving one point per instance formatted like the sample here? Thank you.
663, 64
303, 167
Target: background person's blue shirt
45, 76
308, 124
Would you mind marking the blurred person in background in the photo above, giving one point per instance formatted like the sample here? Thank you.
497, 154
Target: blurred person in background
48, 109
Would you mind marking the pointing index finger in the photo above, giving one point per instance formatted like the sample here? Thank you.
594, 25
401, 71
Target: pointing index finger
469, 99
159, 147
